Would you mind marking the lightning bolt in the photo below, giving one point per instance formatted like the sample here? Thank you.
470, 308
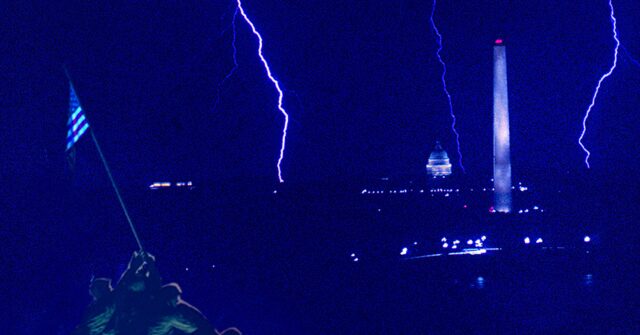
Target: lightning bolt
275, 84
595, 95
444, 86
235, 61
629, 56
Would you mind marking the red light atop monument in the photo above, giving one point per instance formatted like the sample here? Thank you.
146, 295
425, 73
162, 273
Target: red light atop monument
499, 41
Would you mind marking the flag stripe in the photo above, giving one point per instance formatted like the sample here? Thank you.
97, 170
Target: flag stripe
77, 123
75, 114
75, 138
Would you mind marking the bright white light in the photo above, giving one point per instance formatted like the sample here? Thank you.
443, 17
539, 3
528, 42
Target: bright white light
444, 239
403, 252
353, 255
456, 242
483, 238
535, 208
160, 185
587, 239
356, 259
445, 245
455, 246
527, 240
415, 243
539, 240
470, 242
469, 252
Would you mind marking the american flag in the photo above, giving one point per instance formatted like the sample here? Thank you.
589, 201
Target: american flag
77, 123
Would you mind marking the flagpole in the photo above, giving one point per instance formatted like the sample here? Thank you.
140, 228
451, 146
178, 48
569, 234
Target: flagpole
106, 167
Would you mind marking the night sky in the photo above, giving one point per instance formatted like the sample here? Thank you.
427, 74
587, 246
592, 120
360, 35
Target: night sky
362, 80
362, 88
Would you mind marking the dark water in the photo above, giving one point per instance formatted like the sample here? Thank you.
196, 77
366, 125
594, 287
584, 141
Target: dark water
280, 264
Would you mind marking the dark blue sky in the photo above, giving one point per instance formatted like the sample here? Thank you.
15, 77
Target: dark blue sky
365, 99
363, 84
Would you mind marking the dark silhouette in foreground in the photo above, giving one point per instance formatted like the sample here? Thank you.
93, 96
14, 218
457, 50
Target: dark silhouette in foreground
140, 305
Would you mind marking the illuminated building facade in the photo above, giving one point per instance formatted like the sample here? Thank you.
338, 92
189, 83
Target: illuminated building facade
501, 145
438, 165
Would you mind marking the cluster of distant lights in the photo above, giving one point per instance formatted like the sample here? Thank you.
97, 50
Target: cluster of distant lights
469, 247
527, 240
164, 185
446, 192
533, 210
478, 243
520, 188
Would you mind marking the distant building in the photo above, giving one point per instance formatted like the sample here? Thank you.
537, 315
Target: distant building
439, 165
501, 143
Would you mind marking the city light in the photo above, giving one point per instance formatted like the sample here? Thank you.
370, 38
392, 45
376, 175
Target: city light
158, 185
404, 251
587, 239
527, 240
539, 240
472, 252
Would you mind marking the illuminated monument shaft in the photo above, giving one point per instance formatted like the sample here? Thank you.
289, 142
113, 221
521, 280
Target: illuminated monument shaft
501, 154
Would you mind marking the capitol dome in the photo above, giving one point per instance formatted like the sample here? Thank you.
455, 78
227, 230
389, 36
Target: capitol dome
439, 165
